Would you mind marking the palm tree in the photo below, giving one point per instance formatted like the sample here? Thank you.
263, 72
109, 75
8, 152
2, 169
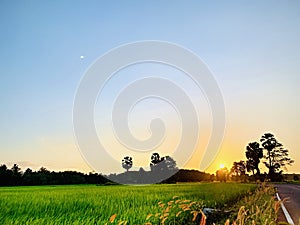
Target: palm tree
127, 163
155, 160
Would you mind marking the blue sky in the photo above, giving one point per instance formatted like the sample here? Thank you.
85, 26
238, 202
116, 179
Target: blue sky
252, 47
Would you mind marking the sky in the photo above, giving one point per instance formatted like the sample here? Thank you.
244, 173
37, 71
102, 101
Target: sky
251, 47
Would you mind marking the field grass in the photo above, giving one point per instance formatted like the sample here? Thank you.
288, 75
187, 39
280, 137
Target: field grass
260, 208
91, 204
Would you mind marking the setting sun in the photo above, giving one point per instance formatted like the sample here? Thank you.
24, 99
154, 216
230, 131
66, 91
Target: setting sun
222, 166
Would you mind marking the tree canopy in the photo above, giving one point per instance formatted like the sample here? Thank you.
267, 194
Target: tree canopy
14, 176
277, 156
253, 154
127, 163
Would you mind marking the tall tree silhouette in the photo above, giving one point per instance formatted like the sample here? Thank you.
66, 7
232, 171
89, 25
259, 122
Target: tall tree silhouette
253, 153
276, 157
16, 175
5, 175
238, 168
155, 160
127, 163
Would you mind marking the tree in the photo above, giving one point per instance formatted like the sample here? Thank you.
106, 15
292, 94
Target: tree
44, 176
221, 174
5, 175
16, 170
276, 157
16, 175
168, 163
43, 170
127, 163
253, 153
28, 178
155, 160
239, 168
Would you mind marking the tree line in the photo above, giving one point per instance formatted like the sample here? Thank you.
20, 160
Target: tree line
157, 163
269, 151
162, 170
14, 177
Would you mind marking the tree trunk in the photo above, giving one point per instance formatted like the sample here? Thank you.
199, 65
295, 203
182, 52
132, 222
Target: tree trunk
270, 161
257, 171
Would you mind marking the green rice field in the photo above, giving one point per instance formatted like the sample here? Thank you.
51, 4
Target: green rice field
91, 204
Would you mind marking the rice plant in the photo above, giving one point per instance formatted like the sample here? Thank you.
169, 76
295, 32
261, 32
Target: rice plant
117, 204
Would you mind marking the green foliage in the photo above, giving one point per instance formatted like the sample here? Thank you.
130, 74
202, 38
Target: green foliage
89, 204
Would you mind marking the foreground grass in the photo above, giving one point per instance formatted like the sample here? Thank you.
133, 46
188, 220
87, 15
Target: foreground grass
87, 204
259, 208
